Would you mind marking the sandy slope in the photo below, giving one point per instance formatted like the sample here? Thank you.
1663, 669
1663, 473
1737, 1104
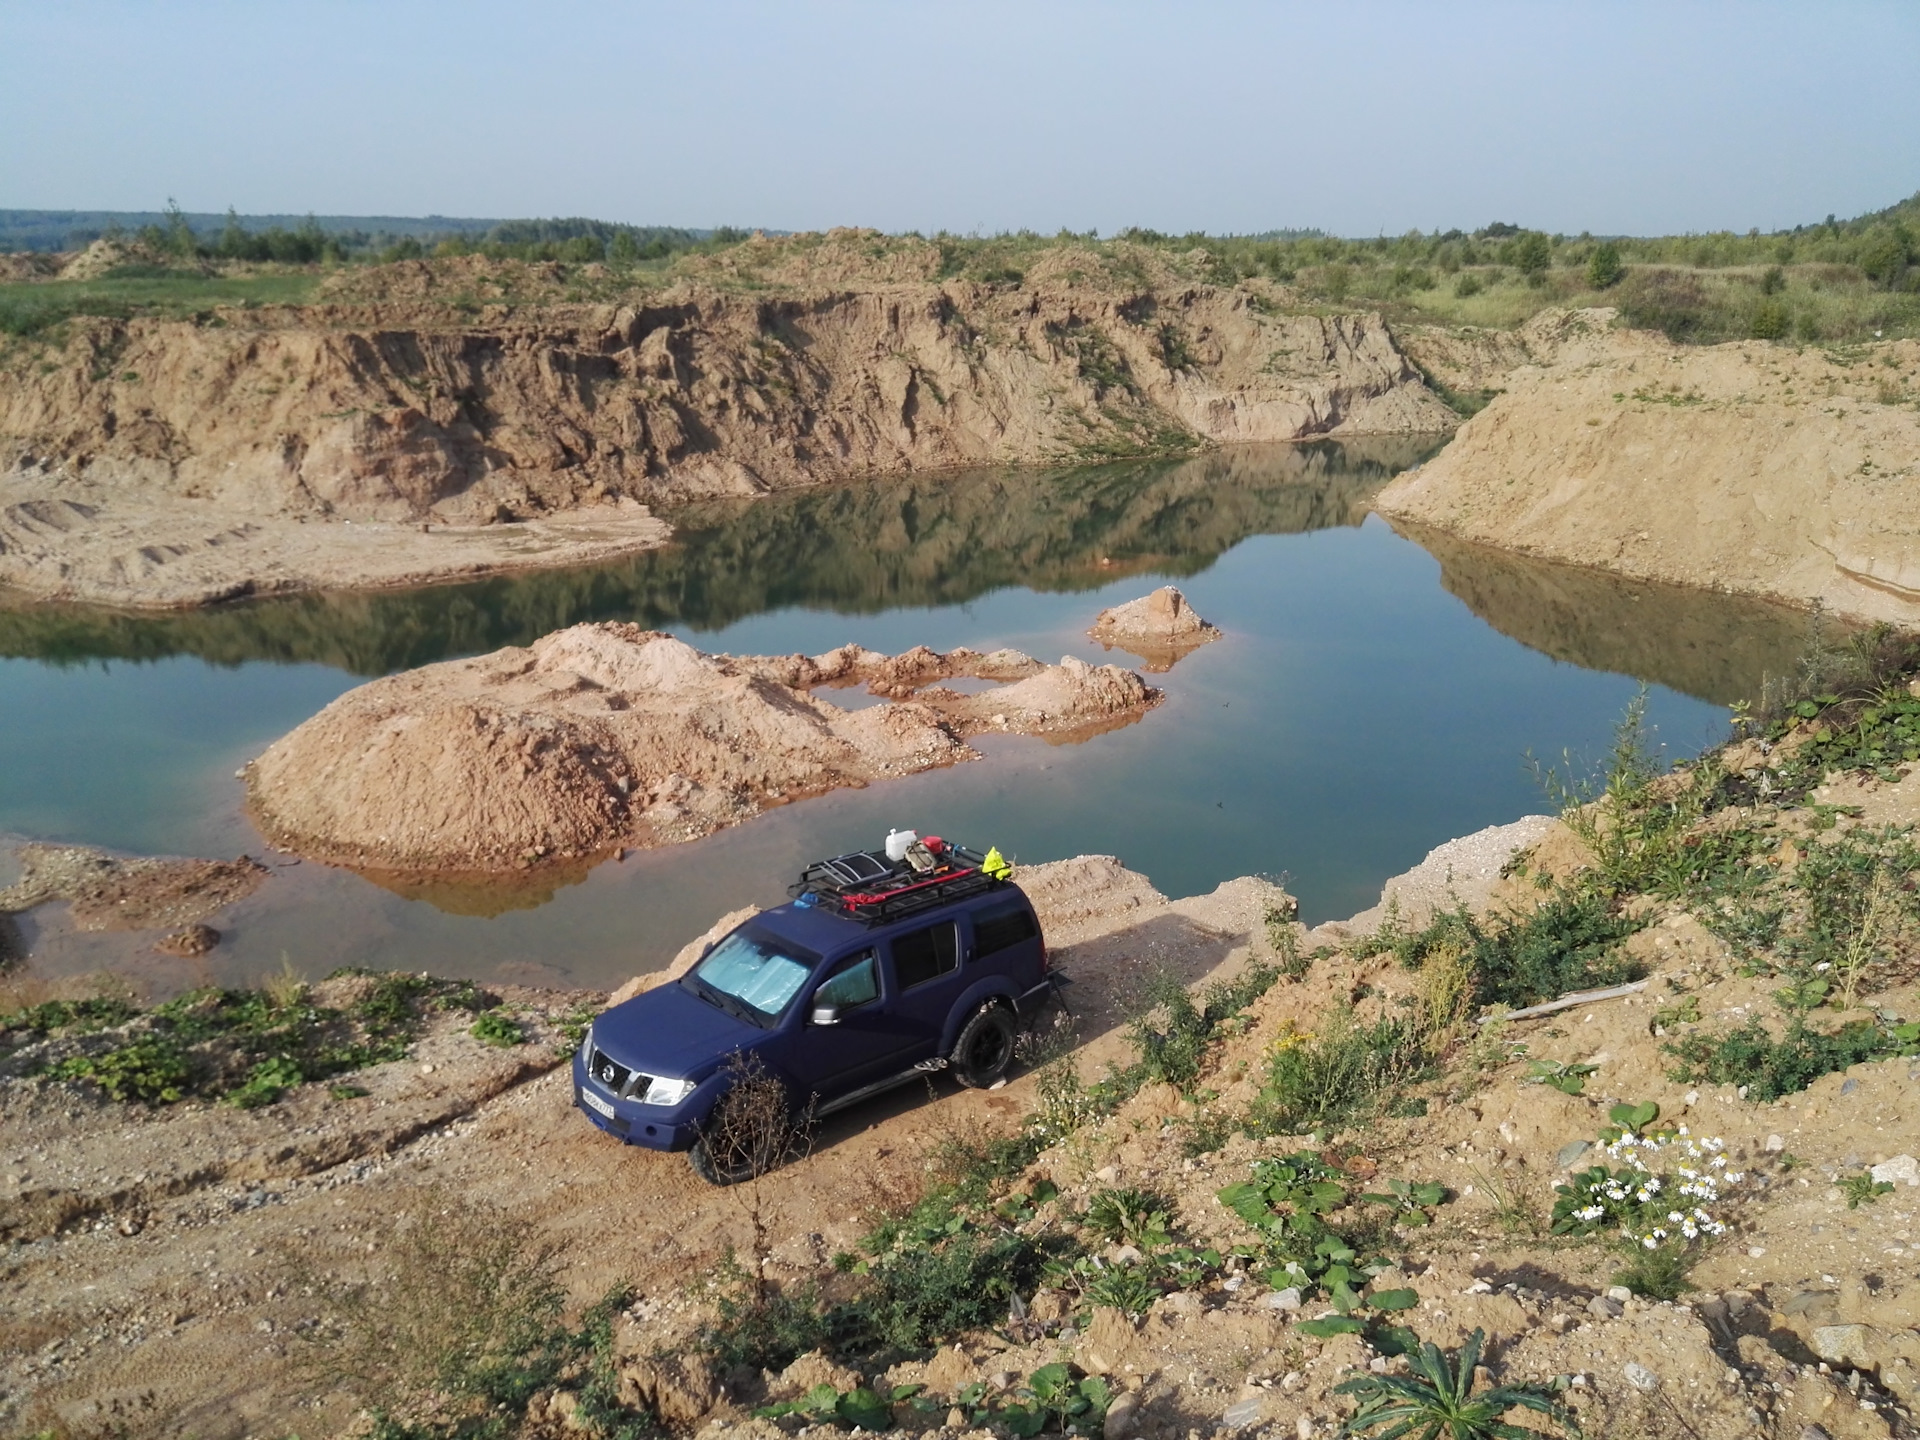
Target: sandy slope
1754, 468
148, 1272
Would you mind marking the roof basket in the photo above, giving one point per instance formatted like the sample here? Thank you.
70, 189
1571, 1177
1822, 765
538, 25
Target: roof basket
864, 885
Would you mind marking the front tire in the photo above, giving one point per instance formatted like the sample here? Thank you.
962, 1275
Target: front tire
741, 1141
984, 1051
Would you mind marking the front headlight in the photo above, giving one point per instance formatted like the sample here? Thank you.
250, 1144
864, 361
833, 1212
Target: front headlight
586, 1041
662, 1091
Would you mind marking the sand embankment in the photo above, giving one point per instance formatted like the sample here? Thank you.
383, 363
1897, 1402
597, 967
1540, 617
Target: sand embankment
1753, 468
605, 736
169, 462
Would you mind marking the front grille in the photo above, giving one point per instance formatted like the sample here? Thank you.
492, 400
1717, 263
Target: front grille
610, 1073
615, 1076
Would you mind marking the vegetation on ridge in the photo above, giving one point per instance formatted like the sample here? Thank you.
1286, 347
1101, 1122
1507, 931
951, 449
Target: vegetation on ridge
1832, 282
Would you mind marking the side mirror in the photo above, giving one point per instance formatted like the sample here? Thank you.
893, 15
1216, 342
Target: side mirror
826, 1014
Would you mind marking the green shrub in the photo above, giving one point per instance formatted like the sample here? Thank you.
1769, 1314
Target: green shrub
1673, 302
758, 1324
1771, 1067
1139, 1217
153, 1069
918, 1297
1771, 321
1604, 269
1530, 252
1171, 1039
496, 1028
1338, 1075
266, 1083
1657, 1274
1773, 281
1468, 285
70, 1017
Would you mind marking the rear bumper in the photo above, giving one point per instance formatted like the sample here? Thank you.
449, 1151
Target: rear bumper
631, 1122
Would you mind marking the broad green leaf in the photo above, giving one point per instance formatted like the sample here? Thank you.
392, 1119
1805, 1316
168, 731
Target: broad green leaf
1332, 1325
867, 1410
1394, 1299
1025, 1421
1249, 1202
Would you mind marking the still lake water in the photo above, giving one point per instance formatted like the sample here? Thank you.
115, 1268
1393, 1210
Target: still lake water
1373, 698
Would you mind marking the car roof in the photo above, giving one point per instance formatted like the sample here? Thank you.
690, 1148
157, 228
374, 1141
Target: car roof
827, 931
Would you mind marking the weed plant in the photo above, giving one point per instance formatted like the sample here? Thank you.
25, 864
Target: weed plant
1320, 1081
1769, 1066
1862, 1189
1436, 1400
247, 1047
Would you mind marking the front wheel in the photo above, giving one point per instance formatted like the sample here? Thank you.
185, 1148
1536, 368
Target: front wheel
747, 1135
985, 1048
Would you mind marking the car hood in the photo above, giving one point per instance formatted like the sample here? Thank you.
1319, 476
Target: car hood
671, 1031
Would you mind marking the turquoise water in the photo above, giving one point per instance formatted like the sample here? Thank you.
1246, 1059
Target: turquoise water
1370, 701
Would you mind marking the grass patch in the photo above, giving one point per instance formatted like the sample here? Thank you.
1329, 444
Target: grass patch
1770, 1066
453, 1321
37, 308
247, 1047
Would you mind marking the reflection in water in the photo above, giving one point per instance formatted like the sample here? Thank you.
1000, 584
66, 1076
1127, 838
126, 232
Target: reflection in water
1353, 716
1717, 647
855, 549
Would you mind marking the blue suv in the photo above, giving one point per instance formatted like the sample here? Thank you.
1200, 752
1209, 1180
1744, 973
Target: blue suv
876, 971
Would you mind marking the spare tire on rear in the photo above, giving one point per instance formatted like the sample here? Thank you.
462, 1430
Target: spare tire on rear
984, 1051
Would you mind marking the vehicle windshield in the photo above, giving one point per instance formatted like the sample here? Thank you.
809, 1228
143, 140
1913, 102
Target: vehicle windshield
753, 975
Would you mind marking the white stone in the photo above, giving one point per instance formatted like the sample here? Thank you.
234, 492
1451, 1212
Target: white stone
1901, 1169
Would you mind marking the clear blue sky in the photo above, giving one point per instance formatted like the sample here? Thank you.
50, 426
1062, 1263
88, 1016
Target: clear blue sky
1359, 118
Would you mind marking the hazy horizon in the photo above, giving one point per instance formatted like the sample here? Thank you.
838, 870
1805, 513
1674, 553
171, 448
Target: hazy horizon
1229, 118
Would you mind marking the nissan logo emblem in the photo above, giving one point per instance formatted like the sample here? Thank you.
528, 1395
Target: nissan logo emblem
606, 1073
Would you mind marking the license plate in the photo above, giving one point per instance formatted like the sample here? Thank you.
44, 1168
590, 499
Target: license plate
605, 1107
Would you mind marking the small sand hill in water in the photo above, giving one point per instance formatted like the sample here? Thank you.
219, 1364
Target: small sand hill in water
609, 735
1159, 628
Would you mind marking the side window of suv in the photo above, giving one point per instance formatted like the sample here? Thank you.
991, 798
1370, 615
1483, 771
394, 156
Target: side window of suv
1004, 926
923, 955
855, 982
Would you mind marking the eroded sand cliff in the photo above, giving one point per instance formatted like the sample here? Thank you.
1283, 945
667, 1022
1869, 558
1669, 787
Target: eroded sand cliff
1753, 468
154, 461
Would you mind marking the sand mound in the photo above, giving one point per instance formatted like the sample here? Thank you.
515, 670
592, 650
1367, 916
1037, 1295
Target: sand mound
609, 735
1750, 467
1159, 628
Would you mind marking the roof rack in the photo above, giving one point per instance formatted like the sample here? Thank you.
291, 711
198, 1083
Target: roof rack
864, 885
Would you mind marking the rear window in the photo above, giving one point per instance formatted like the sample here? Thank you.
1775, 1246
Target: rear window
923, 955
1004, 926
